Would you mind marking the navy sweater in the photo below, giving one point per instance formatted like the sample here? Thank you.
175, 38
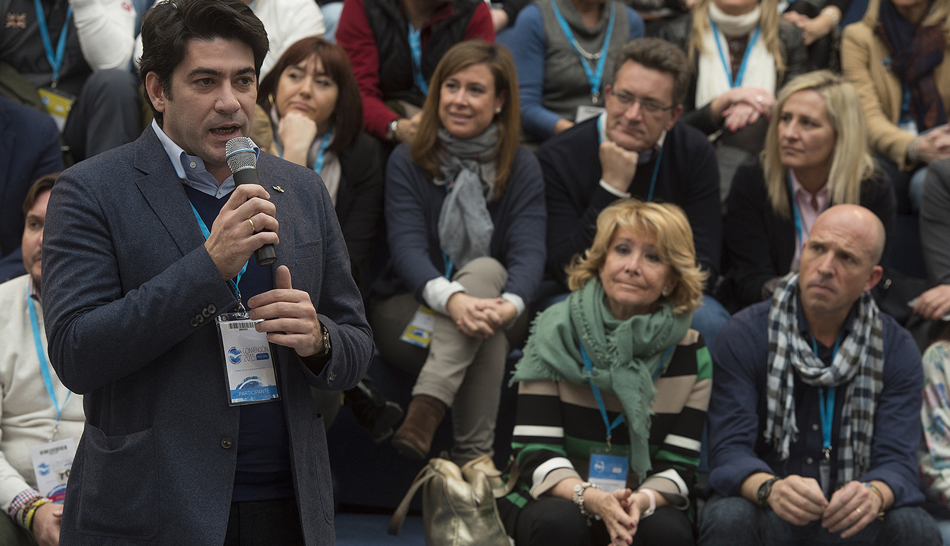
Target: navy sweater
688, 176
413, 203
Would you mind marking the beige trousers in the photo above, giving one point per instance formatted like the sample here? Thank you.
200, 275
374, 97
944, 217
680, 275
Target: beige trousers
465, 373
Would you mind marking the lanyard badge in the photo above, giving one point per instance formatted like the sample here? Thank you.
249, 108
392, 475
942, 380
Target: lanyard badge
248, 363
609, 465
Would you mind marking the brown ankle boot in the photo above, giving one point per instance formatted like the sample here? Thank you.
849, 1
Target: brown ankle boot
414, 437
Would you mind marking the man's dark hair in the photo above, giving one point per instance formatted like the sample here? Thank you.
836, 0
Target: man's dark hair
168, 26
42, 184
657, 54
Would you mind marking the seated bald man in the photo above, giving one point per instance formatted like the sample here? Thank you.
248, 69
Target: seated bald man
814, 418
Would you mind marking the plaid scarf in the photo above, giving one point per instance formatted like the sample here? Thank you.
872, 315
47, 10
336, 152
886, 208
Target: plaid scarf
915, 53
858, 365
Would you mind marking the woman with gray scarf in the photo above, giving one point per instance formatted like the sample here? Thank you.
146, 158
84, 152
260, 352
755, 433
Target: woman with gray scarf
466, 222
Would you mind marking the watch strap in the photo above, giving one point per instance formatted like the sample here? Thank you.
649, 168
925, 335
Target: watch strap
765, 490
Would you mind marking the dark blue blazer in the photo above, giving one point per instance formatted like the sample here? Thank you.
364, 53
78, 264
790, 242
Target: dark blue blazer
130, 295
29, 148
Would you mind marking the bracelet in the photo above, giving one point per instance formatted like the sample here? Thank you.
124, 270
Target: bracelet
578, 497
652, 496
913, 150
832, 12
880, 495
32, 512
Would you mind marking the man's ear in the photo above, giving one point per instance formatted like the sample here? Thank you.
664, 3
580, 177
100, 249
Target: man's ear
677, 112
875, 277
155, 92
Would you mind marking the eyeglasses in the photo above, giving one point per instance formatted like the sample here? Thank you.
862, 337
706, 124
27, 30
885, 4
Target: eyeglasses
648, 106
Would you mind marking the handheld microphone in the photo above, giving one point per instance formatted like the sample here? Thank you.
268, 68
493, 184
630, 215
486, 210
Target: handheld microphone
239, 153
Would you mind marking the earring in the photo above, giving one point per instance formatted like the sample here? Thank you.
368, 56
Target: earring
666, 291
497, 110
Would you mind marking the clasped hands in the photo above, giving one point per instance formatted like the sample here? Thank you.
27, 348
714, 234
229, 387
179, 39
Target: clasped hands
479, 317
620, 511
288, 316
742, 106
800, 501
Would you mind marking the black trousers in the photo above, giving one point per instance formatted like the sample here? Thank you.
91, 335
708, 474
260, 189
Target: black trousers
264, 523
553, 520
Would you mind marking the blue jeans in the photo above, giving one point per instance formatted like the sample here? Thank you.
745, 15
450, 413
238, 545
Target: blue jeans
734, 521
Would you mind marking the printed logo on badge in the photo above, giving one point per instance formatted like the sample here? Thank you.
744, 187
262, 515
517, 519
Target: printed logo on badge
234, 355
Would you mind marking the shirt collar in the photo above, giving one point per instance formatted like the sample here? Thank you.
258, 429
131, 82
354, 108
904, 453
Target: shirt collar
644, 156
191, 169
801, 193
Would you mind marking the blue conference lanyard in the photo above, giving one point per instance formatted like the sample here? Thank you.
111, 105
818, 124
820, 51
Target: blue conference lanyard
826, 402
55, 59
589, 371
41, 354
321, 152
737, 81
207, 233
659, 155
415, 48
595, 78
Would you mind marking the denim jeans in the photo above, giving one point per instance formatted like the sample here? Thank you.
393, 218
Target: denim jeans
734, 521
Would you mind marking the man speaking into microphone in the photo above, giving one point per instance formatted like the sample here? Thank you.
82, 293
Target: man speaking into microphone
195, 361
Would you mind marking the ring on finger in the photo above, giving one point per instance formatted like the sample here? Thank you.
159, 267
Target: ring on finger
253, 229
858, 510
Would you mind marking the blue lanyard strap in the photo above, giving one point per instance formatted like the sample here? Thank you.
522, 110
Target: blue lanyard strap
826, 402
594, 77
55, 59
41, 354
207, 233
321, 152
589, 371
415, 48
324, 144
737, 81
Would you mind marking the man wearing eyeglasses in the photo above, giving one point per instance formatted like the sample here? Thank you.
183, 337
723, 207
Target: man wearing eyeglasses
636, 148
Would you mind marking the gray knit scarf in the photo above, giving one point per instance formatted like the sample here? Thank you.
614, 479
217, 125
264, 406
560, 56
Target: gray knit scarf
859, 363
468, 172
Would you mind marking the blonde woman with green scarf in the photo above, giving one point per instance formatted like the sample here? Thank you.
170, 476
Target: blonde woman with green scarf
612, 392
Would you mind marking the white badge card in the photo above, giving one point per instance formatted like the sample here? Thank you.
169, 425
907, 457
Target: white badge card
419, 331
585, 112
51, 465
608, 469
248, 363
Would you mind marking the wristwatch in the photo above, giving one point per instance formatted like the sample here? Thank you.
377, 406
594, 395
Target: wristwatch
326, 340
578, 496
391, 130
765, 490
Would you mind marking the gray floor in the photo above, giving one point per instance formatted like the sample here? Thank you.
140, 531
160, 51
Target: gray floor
370, 530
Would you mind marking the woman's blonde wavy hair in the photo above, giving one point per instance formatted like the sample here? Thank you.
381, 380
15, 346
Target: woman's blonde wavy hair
851, 162
768, 22
674, 240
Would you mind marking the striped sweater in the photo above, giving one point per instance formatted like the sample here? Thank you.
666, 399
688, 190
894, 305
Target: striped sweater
557, 424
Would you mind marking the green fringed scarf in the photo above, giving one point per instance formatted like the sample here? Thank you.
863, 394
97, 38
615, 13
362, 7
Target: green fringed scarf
624, 355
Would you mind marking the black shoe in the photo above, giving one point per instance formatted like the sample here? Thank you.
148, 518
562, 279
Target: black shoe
372, 410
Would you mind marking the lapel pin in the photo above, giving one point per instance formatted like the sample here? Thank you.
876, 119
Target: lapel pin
278, 189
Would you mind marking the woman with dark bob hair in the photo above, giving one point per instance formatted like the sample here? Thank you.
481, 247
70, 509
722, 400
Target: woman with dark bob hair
613, 389
466, 223
315, 113
816, 155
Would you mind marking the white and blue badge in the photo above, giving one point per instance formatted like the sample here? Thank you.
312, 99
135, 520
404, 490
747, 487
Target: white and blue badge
248, 363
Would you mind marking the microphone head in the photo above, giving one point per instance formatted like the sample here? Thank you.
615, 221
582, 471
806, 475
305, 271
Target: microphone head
239, 153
